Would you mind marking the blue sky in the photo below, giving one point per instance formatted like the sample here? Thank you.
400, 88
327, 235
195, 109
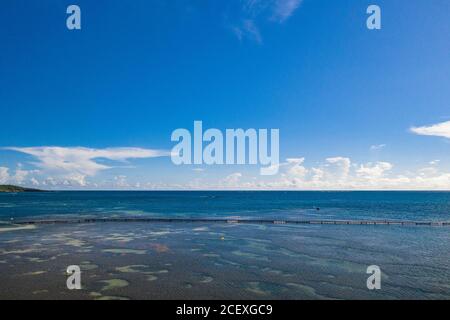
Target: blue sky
345, 98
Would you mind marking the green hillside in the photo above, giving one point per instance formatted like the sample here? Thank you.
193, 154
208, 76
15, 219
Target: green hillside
10, 188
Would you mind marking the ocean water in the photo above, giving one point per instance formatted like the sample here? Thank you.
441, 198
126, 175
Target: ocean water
202, 260
430, 206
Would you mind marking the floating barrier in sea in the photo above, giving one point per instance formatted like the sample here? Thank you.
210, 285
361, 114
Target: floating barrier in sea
238, 221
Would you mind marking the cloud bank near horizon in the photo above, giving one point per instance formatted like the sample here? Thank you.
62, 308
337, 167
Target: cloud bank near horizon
341, 173
76, 168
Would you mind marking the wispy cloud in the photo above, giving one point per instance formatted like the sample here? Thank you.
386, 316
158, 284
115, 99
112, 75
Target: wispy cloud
255, 12
283, 9
439, 130
74, 164
247, 29
232, 179
377, 147
434, 162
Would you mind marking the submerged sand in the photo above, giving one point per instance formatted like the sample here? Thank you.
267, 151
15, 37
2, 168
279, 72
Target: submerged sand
207, 261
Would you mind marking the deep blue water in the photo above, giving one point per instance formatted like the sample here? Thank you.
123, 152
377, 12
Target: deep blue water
288, 205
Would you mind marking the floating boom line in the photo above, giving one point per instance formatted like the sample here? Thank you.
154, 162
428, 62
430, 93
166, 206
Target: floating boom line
234, 221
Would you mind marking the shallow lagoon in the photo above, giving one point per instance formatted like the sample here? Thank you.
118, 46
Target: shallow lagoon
224, 261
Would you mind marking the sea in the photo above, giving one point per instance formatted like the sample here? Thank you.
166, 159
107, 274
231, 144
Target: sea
201, 259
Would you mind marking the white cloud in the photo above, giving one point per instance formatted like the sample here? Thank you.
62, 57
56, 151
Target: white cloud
373, 170
73, 165
336, 173
295, 168
342, 166
232, 179
295, 160
318, 175
4, 175
49, 181
34, 182
72, 170
434, 162
256, 12
439, 130
20, 176
377, 147
247, 29
256, 8
428, 171
121, 181
283, 9
75, 179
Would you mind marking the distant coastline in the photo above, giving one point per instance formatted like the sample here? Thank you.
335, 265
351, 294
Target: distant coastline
14, 189
11, 188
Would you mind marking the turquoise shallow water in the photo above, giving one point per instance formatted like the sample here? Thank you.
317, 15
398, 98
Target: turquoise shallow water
225, 261
222, 261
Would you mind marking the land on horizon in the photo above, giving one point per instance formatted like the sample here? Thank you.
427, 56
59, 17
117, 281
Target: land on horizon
12, 188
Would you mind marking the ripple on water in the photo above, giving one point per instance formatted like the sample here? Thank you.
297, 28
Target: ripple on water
124, 251
250, 255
